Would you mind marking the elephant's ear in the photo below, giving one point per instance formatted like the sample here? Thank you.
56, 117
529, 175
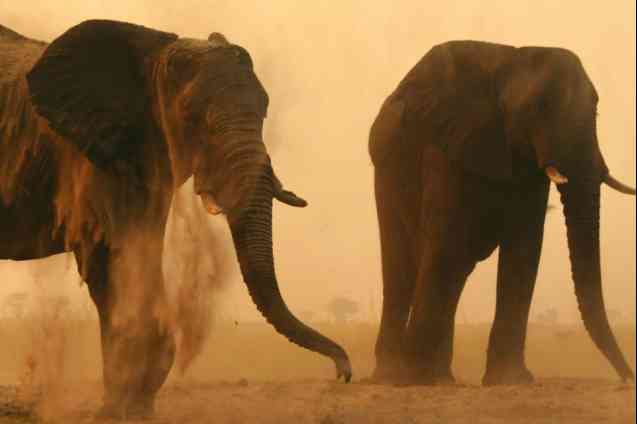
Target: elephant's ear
451, 102
531, 89
90, 84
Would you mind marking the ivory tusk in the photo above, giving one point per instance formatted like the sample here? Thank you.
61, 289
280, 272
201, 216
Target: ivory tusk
610, 181
209, 203
555, 176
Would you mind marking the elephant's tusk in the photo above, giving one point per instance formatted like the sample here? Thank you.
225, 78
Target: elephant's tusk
285, 196
290, 198
555, 175
210, 204
610, 181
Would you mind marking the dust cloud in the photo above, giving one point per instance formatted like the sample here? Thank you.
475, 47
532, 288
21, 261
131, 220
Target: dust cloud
197, 266
327, 67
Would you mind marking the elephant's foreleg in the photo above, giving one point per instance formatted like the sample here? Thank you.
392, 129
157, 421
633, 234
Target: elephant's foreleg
137, 345
430, 331
399, 275
92, 264
520, 248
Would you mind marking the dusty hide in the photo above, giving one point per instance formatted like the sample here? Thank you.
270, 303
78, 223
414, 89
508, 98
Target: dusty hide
20, 129
197, 259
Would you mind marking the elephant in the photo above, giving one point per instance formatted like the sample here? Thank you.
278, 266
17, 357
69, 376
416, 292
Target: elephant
97, 130
464, 151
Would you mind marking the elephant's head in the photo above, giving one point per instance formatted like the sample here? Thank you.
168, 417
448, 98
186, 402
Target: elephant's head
144, 104
549, 108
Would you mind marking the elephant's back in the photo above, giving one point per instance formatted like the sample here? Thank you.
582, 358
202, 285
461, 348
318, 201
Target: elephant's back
440, 81
454, 62
426, 104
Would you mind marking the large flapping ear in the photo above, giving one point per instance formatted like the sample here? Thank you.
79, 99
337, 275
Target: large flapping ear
450, 101
90, 84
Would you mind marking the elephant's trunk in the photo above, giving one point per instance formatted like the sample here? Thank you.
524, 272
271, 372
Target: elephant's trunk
581, 210
252, 236
244, 156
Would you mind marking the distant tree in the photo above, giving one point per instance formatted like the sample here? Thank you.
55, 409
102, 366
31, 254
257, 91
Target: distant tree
341, 308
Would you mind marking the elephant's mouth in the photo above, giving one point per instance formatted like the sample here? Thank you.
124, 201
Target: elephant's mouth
214, 205
230, 198
210, 204
555, 175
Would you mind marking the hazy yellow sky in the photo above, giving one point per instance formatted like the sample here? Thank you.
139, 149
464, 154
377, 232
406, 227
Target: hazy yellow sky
327, 66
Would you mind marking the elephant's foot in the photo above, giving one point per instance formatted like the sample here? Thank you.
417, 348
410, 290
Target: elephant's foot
384, 376
388, 371
419, 375
137, 410
414, 374
510, 375
428, 379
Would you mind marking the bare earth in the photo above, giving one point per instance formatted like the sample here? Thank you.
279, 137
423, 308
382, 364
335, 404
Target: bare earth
248, 374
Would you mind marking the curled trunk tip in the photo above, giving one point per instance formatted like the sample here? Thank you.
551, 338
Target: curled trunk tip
252, 236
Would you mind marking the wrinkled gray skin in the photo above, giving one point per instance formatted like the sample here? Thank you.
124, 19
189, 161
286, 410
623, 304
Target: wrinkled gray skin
96, 131
464, 150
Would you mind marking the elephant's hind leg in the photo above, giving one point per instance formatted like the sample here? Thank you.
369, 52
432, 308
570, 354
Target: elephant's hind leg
399, 275
517, 270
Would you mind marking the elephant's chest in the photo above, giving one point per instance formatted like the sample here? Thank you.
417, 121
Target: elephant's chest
461, 216
483, 221
476, 220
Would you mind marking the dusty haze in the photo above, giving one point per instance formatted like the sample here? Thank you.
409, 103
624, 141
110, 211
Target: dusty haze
327, 67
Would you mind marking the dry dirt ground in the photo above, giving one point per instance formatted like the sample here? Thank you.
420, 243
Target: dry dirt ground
248, 374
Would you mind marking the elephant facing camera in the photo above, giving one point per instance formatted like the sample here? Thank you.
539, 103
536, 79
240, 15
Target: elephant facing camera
97, 131
464, 152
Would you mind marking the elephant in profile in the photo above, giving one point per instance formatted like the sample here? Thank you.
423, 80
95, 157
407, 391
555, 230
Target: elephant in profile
464, 151
97, 130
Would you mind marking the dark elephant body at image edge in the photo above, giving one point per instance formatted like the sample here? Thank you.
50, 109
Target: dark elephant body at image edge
464, 150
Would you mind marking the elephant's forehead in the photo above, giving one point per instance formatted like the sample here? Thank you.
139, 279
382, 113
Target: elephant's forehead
192, 44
